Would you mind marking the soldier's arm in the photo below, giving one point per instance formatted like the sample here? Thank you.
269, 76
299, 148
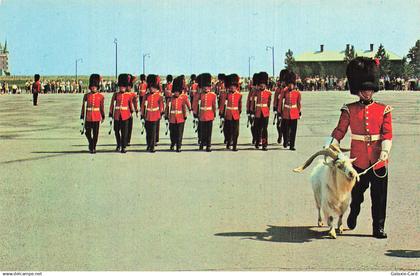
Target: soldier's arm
161, 105
269, 101
82, 113
343, 124
280, 103
387, 124
240, 104
111, 107
102, 108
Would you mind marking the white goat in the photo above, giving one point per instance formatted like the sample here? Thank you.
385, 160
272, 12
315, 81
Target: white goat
332, 183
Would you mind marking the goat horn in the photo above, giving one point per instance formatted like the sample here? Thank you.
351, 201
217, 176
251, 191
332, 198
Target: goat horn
325, 152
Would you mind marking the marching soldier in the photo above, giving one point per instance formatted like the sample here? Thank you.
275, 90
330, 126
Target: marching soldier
193, 87
142, 88
221, 93
176, 113
231, 111
250, 106
93, 111
184, 93
121, 109
279, 90
371, 141
289, 108
36, 88
151, 110
204, 107
135, 105
261, 109
168, 88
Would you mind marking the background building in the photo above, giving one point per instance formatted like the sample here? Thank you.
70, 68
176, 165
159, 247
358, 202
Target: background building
325, 63
4, 60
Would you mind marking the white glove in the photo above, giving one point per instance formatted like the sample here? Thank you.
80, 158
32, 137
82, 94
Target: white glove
331, 141
386, 149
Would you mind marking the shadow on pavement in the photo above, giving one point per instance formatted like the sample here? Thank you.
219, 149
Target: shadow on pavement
403, 253
287, 234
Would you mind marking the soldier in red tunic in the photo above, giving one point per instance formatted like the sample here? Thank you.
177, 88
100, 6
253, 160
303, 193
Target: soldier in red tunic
151, 110
204, 107
176, 113
168, 88
142, 88
120, 109
261, 109
281, 86
135, 105
231, 111
193, 88
184, 93
289, 108
250, 106
371, 140
36, 88
220, 89
93, 111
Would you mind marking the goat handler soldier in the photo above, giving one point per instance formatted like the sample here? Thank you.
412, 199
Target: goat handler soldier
371, 140
93, 112
121, 109
36, 88
231, 111
176, 113
261, 110
289, 108
135, 105
142, 88
250, 102
279, 90
204, 107
151, 110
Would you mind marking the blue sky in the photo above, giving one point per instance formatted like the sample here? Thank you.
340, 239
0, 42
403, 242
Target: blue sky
193, 36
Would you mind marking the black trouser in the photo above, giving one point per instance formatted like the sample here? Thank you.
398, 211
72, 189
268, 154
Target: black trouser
261, 132
151, 129
35, 98
130, 129
378, 195
279, 125
206, 128
140, 100
289, 134
226, 134
121, 132
157, 130
176, 133
232, 132
253, 129
92, 127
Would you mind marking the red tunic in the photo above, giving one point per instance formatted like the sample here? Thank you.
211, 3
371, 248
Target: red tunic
233, 106
277, 95
36, 87
142, 88
205, 106
371, 123
123, 106
290, 108
176, 109
168, 90
193, 89
250, 101
152, 107
261, 108
95, 111
134, 100
187, 101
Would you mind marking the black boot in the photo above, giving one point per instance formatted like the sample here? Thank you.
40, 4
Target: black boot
379, 233
118, 148
208, 149
123, 150
351, 220
172, 147
234, 148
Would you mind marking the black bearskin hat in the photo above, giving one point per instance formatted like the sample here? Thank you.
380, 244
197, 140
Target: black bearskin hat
290, 77
262, 78
37, 77
204, 80
255, 79
142, 77
282, 76
124, 80
153, 81
132, 80
232, 79
363, 74
178, 84
193, 77
169, 78
94, 80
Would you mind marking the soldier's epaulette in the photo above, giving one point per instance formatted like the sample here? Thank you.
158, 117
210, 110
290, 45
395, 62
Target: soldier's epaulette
388, 108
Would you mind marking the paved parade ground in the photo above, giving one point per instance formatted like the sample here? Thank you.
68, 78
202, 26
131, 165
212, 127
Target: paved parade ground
62, 208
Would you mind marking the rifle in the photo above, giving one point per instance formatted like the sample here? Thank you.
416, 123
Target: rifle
198, 113
275, 118
144, 118
222, 118
167, 118
111, 119
249, 121
83, 121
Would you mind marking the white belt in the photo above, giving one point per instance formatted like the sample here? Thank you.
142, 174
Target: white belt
121, 108
261, 105
231, 108
152, 109
176, 112
92, 109
366, 138
290, 106
142, 91
205, 108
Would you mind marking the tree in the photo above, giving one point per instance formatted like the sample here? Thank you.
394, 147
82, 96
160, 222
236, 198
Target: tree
414, 59
349, 54
290, 61
383, 57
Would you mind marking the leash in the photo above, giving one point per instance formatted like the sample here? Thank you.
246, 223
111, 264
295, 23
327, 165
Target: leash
371, 167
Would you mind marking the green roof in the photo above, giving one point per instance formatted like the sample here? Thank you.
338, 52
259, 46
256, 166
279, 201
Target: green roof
337, 56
